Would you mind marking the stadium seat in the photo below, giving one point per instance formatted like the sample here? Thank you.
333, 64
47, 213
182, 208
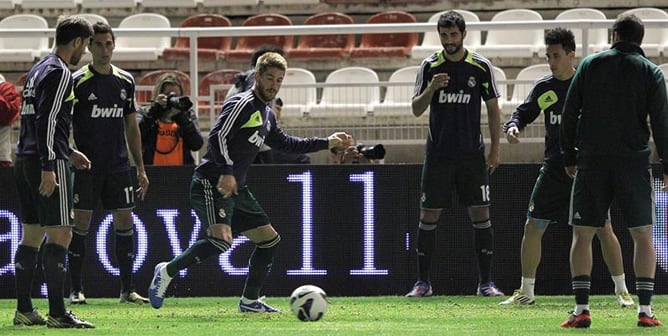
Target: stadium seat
515, 42
142, 48
228, 3
432, 42
208, 48
598, 38
398, 97
146, 83
246, 45
22, 49
108, 4
317, 47
48, 4
655, 41
529, 74
390, 44
345, 98
214, 86
297, 101
21, 80
169, 3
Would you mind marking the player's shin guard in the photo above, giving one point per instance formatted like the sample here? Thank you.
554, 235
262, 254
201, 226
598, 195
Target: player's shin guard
484, 247
54, 270
426, 240
259, 267
199, 251
76, 255
125, 255
25, 263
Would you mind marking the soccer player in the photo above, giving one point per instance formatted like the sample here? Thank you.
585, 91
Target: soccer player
551, 193
43, 175
104, 115
452, 82
218, 192
604, 138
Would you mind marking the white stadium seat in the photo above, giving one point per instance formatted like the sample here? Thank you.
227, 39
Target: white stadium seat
346, 98
398, 98
22, 49
142, 48
297, 101
514, 42
432, 42
108, 4
597, 38
169, 3
531, 73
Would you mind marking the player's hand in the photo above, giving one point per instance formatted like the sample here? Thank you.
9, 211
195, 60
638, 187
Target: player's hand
513, 135
340, 140
142, 179
79, 160
493, 159
227, 186
439, 81
571, 171
48, 183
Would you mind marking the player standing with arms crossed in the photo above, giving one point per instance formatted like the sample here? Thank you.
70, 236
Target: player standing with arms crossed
104, 116
218, 191
43, 175
452, 82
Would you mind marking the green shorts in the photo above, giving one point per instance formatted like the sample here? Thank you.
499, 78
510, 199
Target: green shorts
467, 176
115, 190
595, 189
55, 210
242, 212
551, 194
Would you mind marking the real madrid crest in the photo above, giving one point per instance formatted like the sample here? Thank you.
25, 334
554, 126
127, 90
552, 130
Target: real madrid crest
124, 95
222, 213
531, 206
75, 198
471, 82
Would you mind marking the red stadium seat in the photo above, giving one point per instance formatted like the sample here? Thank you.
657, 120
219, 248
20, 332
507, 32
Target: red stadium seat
224, 76
246, 45
387, 45
324, 46
208, 48
146, 83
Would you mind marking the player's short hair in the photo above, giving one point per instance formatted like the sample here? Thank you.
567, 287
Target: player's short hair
451, 19
561, 36
270, 60
103, 28
629, 28
72, 27
263, 49
167, 78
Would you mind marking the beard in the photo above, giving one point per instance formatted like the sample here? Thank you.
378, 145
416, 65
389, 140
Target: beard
452, 48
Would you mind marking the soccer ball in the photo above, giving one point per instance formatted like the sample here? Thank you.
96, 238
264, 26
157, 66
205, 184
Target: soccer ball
308, 303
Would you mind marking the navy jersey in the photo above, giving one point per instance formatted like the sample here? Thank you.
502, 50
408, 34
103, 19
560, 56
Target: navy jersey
547, 96
244, 124
454, 111
46, 112
102, 102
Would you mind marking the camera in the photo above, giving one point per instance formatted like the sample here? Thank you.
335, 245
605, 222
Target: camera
375, 152
182, 103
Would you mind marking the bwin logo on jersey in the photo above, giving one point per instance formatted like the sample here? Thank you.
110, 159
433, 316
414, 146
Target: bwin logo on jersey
454, 97
106, 112
256, 139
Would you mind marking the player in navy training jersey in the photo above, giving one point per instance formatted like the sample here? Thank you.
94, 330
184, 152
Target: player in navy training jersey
452, 82
218, 192
551, 193
104, 115
43, 175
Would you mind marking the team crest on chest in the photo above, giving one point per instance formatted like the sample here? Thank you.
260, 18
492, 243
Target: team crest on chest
221, 213
124, 95
471, 82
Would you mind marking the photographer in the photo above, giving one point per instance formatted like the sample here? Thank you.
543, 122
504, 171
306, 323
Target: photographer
169, 128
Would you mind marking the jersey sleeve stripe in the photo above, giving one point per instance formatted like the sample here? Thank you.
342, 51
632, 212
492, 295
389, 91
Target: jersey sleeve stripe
55, 109
229, 122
